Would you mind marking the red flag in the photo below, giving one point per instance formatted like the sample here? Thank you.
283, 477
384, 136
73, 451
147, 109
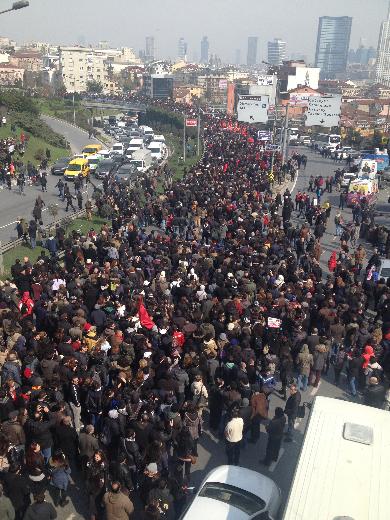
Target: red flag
144, 318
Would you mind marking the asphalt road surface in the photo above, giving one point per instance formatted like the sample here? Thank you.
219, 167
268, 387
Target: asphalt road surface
13, 205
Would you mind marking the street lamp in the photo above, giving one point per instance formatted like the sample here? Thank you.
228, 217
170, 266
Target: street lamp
16, 6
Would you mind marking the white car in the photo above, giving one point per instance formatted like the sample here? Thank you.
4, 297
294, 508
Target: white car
347, 178
232, 492
118, 149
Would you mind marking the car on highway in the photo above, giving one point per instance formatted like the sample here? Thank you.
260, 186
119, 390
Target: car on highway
92, 149
157, 150
93, 161
342, 153
347, 178
59, 166
118, 148
237, 493
126, 172
76, 167
105, 168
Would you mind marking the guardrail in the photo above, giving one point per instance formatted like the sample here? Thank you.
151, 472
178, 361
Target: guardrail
4, 248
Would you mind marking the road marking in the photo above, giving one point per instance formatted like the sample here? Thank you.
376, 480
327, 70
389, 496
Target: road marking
295, 182
275, 463
315, 389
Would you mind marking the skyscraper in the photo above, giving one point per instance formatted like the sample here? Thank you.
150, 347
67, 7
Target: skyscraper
251, 56
332, 45
182, 48
276, 52
383, 54
150, 50
204, 50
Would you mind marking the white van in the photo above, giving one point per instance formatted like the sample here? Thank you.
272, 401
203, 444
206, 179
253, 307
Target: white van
135, 144
118, 149
159, 138
147, 131
157, 151
104, 154
142, 160
343, 468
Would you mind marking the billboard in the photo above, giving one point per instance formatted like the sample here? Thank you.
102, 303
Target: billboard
301, 98
382, 160
265, 80
222, 84
191, 122
230, 99
252, 109
323, 111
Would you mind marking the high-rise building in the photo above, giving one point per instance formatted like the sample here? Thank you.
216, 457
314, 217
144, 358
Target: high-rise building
204, 50
276, 52
251, 57
182, 49
382, 74
150, 50
332, 45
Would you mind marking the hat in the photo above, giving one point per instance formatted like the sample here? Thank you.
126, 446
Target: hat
13, 414
230, 326
223, 337
37, 381
113, 414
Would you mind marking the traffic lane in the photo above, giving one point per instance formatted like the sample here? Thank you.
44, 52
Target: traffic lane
76, 137
13, 205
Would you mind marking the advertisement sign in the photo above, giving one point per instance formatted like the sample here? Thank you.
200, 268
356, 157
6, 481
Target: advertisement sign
253, 109
191, 122
222, 84
382, 160
301, 98
265, 80
323, 111
368, 168
230, 99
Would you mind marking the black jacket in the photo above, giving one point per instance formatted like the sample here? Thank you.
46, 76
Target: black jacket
374, 396
292, 404
17, 489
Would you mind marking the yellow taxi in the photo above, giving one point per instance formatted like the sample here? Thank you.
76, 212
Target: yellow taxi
76, 167
92, 149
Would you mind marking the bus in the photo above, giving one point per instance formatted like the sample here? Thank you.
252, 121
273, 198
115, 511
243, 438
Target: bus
331, 141
343, 469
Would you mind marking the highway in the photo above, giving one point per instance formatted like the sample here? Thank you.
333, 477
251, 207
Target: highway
13, 205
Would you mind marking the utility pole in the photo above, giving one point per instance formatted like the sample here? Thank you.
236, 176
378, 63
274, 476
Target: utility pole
184, 138
74, 112
198, 145
285, 140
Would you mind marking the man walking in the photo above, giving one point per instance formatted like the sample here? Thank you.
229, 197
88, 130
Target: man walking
291, 410
233, 437
275, 430
69, 201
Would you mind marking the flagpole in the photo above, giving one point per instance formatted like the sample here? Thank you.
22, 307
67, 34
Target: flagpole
198, 146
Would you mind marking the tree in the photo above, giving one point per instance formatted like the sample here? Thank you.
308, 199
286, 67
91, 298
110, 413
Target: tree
94, 87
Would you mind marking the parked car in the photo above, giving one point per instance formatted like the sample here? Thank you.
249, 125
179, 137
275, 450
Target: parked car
60, 166
233, 492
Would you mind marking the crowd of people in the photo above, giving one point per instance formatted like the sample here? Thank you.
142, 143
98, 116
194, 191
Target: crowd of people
188, 312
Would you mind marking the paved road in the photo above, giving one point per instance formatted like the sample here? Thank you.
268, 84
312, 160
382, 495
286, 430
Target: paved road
211, 449
14, 205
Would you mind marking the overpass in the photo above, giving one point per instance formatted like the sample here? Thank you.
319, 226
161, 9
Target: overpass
125, 106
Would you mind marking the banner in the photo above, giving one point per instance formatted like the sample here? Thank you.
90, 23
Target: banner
265, 80
253, 109
191, 122
323, 111
230, 99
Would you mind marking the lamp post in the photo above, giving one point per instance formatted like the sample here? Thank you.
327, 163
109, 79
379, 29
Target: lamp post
16, 6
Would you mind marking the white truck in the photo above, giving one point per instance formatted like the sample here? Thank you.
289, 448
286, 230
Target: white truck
142, 160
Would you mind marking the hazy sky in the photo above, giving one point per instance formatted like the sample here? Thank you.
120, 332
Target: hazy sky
227, 23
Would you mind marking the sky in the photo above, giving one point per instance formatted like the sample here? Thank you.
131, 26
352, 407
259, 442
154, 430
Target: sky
227, 23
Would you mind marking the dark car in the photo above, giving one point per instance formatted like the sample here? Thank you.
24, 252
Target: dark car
60, 166
105, 168
126, 172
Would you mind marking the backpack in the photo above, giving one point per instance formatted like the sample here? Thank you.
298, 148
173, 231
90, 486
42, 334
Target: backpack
105, 436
